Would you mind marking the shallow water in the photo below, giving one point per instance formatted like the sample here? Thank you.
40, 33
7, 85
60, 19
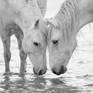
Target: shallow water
78, 78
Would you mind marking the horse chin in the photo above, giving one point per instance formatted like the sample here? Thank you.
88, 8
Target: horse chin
37, 60
39, 64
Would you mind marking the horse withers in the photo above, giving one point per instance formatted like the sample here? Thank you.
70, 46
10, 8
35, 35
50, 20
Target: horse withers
63, 28
17, 17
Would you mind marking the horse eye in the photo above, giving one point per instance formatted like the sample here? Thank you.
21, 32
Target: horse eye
55, 42
36, 43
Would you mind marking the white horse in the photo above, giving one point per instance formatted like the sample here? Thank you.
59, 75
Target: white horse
17, 17
63, 28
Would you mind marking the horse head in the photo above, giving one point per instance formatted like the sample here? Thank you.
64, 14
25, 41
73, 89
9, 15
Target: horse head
34, 44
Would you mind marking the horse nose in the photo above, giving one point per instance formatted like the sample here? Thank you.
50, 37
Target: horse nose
39, 72
62, 70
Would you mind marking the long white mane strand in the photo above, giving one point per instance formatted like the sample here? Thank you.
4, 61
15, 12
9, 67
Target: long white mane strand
67, 18
43, 6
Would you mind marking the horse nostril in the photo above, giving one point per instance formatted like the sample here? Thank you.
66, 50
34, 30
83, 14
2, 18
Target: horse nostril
36, 43
55, 41
62, 70
40, 72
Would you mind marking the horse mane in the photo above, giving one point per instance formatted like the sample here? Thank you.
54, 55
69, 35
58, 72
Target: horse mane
67, 18
43, 6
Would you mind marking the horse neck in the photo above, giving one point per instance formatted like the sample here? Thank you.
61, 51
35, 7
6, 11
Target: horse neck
85, 12
28, 13
67, 17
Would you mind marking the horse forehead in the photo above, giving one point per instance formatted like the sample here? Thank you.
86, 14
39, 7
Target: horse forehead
56, 33
36, 35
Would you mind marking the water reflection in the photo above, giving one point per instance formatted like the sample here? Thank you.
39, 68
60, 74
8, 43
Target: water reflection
16, 84
6, 83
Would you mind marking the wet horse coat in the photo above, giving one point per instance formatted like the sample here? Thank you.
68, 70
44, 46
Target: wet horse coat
16, 17
63, 28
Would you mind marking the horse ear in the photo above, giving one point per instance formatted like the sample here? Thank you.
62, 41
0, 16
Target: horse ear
36, 23
51, 22
48, 23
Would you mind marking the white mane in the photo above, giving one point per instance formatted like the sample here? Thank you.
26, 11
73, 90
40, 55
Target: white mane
67, 18
42, 5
